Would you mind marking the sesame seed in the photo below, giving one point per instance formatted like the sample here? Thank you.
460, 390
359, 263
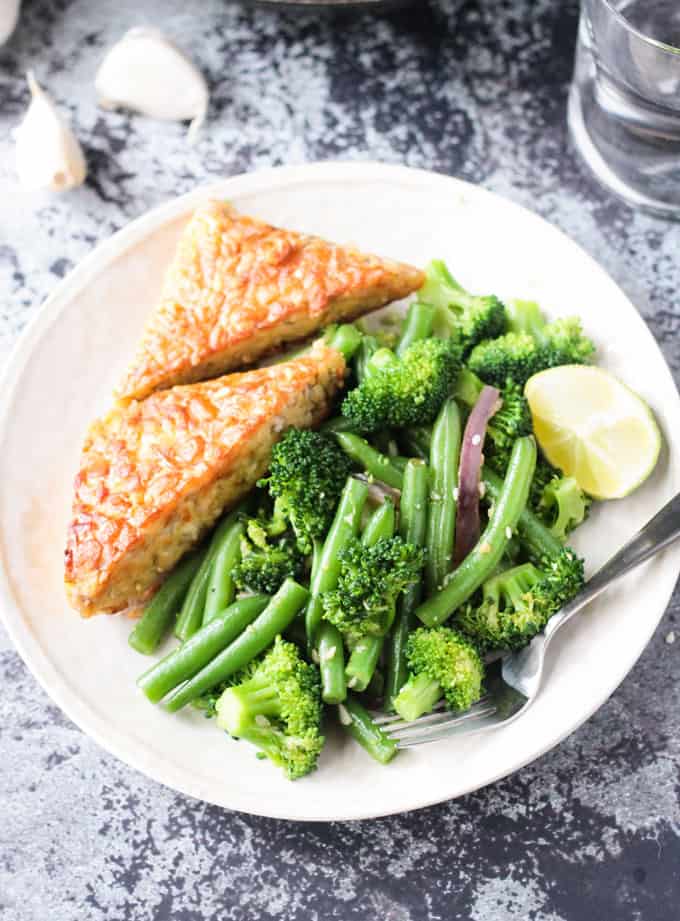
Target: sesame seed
508, 532
482, 489
486, 547
456, 493
476, 439
670, 637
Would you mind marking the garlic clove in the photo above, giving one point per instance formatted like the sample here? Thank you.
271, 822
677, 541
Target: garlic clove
9, 14
147, 73
48, 155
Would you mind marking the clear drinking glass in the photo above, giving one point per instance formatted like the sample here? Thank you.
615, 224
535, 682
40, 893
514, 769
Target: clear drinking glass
624, 104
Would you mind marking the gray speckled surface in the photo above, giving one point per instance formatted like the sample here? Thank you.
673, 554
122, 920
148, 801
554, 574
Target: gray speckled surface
591, 830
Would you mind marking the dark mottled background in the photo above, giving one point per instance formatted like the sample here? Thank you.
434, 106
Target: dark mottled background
592, 830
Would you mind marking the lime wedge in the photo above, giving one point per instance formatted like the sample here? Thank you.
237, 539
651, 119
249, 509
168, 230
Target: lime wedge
594, 428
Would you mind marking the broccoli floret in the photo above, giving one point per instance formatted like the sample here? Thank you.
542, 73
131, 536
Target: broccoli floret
468, 318
276, 707
409, 390
517, 604
266, 561
514, 355
563, 505
369, 582
306, 476
532, 345
555, 498
442, 662
511, 421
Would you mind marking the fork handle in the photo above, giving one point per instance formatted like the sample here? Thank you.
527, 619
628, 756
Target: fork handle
660, 531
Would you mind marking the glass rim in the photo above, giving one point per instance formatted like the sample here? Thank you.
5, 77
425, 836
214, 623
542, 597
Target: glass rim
655, 42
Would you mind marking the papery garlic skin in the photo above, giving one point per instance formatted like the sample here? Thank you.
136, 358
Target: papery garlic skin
48, 155
147, 73
9, 14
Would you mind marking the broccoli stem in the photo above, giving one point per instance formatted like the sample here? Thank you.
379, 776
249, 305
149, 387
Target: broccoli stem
417, 325
537, 539
345, 526
526, 317
468, 387
380, 525
331, 664
368, 347
191, 616
345, 339
201, 648
280, 611
158, 615
444, 451
373, 462
358, 723
483, 559
221, 588
413, 528
417, 696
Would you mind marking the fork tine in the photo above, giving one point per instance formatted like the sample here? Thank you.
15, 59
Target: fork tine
395, 723
418, 735
389, 719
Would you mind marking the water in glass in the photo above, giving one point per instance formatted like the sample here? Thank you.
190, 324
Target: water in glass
624, 106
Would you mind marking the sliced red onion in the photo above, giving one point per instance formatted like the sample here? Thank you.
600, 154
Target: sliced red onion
469, 472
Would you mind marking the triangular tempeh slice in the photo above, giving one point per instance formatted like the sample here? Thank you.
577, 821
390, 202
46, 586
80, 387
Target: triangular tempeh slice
239, 288
155, 474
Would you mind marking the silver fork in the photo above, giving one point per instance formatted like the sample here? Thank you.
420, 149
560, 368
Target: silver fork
513, 680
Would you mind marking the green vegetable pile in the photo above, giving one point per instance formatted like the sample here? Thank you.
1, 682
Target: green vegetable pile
337, 587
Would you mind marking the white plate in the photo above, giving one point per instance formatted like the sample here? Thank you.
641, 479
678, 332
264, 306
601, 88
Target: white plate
62, 374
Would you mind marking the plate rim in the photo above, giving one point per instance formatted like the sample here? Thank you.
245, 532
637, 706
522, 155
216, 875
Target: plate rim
112, 247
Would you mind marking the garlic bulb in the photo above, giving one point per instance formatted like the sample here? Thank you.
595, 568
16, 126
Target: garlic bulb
145, 72
47, 152
9, 13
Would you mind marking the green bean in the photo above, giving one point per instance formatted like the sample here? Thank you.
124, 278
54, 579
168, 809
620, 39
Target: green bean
417, 325
364, 657
374, 692
189, 658
370, 460
380, 524
331, 664
359, 724
413, 528
191, 616
415, 441
345, 339
278, 614
384, 441
538, 540
483, 559
363, 661
158, 614
441, 523
338, 424
345, 526
296, 633
221, 589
